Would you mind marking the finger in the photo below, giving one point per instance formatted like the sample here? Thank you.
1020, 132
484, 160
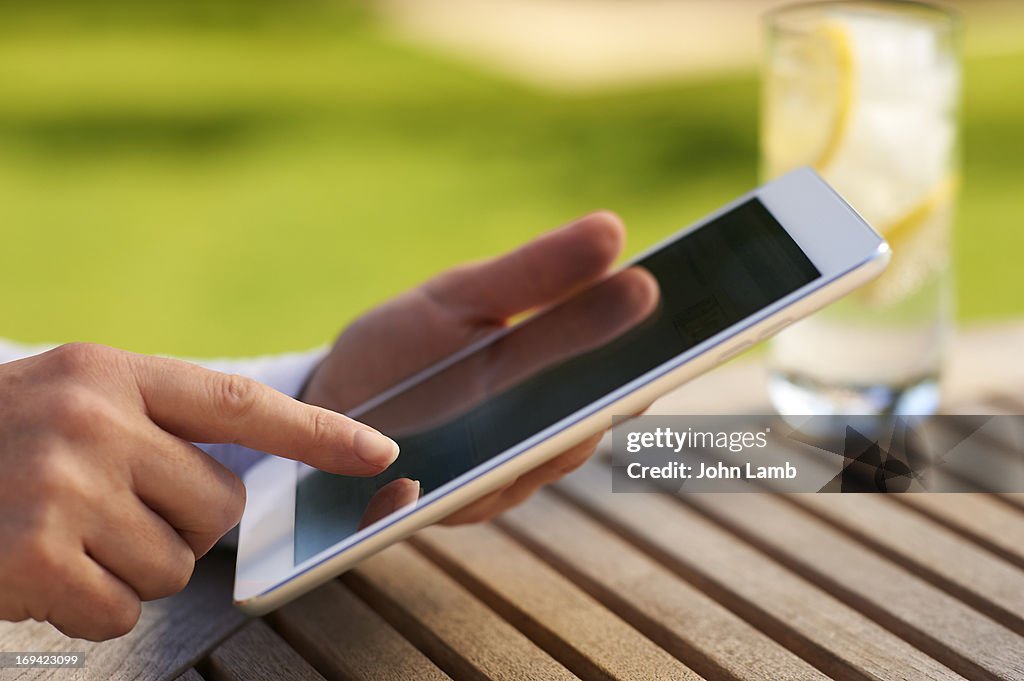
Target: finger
550, 472
586, 322
200, 405
138, 547
93, 604
524, 487
393, 496
589, 321
192, 492
536, 274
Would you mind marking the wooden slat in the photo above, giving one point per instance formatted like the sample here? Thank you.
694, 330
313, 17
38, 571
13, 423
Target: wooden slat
171, 636
710, 639
932, 620
572, 626
833, 637
256, 653
461, 634
936, 553
983, 518
343, 638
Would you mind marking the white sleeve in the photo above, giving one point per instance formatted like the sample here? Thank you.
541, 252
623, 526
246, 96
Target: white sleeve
286, 373
10, 351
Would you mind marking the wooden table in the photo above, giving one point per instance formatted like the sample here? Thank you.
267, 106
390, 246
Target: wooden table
583, 583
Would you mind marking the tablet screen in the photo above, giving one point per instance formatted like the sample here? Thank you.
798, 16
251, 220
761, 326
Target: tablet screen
559, 362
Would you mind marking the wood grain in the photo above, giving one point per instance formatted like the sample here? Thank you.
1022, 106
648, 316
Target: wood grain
931, 619
572, 626
256, 653
930, 550
980, 517
696, 629
171, 636
461, 634
800, 616
343, 638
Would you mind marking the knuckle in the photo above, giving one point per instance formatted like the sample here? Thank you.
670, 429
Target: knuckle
57, 481
322, 427
234, 395
176, 573
78, 412
72, 358
41, 559
50, 477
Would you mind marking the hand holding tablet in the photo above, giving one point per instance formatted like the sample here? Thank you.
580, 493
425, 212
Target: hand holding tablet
497, 410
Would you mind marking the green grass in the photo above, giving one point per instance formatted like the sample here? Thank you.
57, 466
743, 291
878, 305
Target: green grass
234, 186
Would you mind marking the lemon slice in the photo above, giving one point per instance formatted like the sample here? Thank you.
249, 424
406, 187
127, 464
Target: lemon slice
834, 100
807, 117
901, 231
919, 244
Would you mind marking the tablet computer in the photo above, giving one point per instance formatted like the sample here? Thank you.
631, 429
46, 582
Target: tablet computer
499, 408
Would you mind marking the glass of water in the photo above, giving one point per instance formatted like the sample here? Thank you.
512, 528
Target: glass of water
867, 93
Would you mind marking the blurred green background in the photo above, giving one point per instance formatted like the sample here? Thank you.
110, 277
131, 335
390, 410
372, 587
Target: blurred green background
245, 177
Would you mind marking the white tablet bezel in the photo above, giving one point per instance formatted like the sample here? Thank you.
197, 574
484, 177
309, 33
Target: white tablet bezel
838, 242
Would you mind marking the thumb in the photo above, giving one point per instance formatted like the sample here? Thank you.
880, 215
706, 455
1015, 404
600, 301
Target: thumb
200, 405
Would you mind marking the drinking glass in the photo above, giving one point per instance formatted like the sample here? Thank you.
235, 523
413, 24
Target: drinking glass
867, 93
